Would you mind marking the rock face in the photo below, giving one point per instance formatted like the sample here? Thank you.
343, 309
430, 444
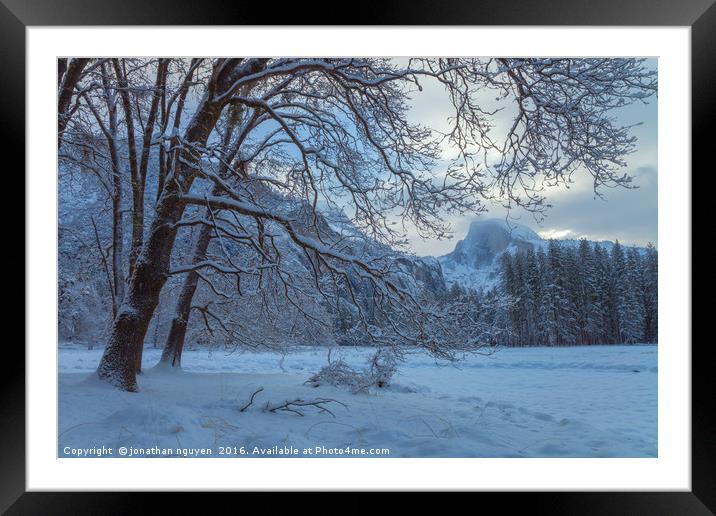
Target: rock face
425, 272
474, 262
482, 242
488, 238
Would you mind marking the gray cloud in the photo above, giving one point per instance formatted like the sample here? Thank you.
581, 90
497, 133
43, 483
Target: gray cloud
629, 215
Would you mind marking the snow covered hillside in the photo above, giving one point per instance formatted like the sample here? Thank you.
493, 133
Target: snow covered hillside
589, 401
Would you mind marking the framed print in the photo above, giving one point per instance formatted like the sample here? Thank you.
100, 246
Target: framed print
435, 249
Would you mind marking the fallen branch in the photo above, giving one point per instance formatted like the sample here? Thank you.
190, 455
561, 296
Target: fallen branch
251, 401
293, 406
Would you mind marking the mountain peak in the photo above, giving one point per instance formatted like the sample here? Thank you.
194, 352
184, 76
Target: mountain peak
514, 230
473, 262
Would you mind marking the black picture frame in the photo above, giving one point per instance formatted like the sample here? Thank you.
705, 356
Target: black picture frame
700, 15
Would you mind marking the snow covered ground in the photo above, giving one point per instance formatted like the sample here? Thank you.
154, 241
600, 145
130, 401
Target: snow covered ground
598, 401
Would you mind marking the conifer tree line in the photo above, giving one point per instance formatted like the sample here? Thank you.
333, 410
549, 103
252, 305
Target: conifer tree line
567, 295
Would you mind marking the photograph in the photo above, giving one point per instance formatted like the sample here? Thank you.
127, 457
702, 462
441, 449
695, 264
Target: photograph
357, 257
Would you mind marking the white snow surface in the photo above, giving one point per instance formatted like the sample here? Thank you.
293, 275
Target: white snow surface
597, 401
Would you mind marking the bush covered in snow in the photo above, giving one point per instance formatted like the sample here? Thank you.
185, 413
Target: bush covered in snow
378, 373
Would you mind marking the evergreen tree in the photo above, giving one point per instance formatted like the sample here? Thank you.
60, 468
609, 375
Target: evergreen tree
632, 326
574, 295
455, 292
546, 333
510, 291
558, 299
535, 290
589, 302
604, 285
627, 314
650, 293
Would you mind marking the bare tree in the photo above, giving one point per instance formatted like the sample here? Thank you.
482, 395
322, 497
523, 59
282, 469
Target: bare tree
110, 132
97, 87
335, 134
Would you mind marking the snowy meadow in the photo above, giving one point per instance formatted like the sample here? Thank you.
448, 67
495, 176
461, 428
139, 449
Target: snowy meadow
587, 401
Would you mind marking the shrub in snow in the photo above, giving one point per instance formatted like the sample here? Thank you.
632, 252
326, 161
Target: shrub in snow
378, 373
382, 367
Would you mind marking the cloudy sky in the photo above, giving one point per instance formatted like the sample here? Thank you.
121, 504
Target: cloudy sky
629, 215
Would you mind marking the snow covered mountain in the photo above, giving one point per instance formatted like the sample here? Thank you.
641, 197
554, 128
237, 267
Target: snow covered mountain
474, 263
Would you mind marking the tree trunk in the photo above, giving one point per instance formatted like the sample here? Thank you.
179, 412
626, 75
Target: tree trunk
61, 69
118, 364
142, 174
171, 354
117, 243
117, 224
138, 180
71, 76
